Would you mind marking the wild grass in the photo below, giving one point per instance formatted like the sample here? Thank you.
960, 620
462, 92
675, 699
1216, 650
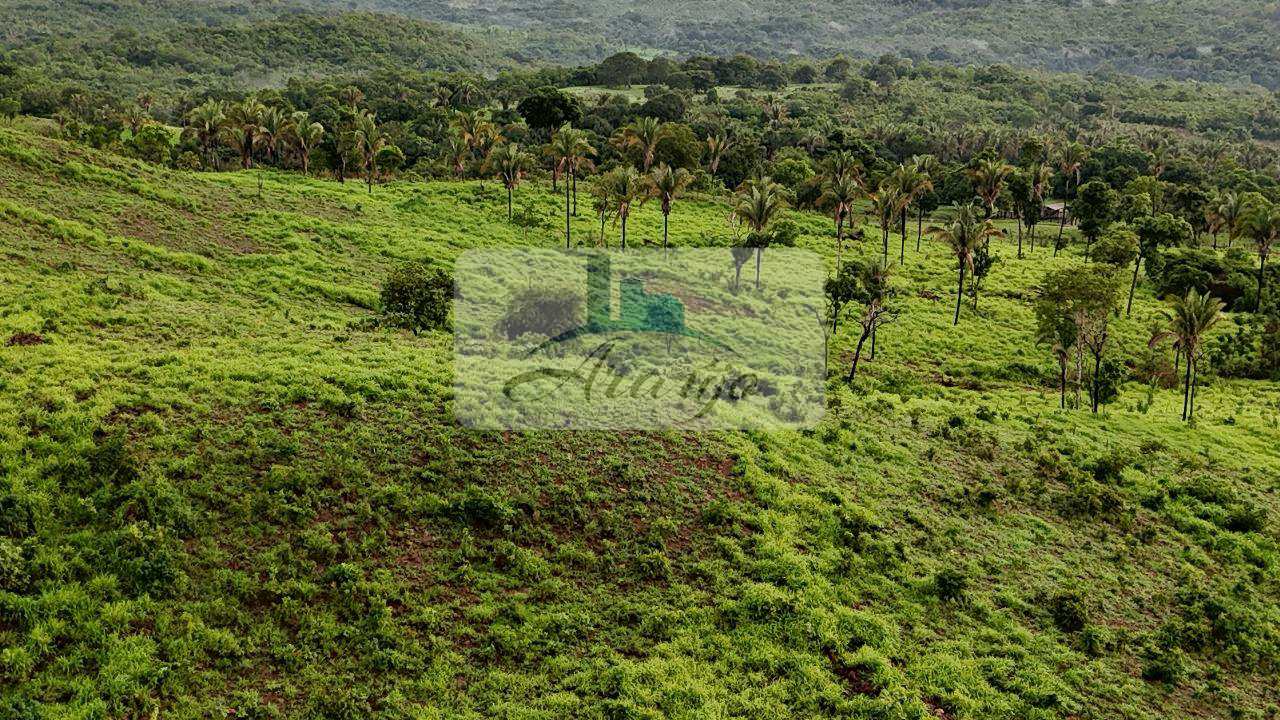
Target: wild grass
224, 492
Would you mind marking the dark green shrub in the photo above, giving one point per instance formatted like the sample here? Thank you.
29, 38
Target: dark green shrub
480, 509
1069, 610
950, 584
547, 311
417, 297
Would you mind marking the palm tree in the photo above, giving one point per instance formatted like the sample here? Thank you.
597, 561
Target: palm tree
242, 129
840, 191
665, 185
644, 134
928, 166
909, 183
456, 153
760, 200
351, 96
1070, 159
964, 234
1264, 226
884, 206
570, 151
1192, 318
988, 178
274, 128
717, 145
1230, 208
368, 139
625, 187
305, 137
509, 163
203, 125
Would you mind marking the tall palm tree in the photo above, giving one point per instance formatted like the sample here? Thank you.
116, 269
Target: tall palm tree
1070, 159
717, 145
964, 234
456, 153
1041, 177
368, 139
242, 129
1192, 318
760, 200
509, 163
885, 205
1231, 209
204, 122
305, 136
570, 151
1061, 339
644, 134
988, 178
274, 130
665, 185
625, 188
1264, 226
909, 182
840, 191
928, 166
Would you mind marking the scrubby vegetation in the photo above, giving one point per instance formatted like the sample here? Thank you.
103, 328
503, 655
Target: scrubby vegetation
233, 482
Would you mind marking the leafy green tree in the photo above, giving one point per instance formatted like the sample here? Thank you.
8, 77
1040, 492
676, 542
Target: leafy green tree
1094, 209
9, 109
1153, 233
1073, 311
547, 108
874, 292
966, 231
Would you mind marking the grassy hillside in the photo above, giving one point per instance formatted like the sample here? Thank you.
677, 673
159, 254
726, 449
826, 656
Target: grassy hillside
225, 492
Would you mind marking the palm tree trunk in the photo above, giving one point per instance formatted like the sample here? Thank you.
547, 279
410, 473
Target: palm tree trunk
574, 176
1093, 385
665, 217
1133, 285
624, 232
959, 295
759, 253
885, 240
603, 241
509, 203
1262, 278
919, 226
902, 249
1019, 238
1195, 382
567, 231
839, 239
1186, 391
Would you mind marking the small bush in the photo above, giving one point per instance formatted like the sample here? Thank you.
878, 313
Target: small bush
417, 297
950, 585
1069, 610
543, 311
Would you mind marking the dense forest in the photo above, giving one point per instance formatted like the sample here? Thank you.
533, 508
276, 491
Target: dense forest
233, 477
